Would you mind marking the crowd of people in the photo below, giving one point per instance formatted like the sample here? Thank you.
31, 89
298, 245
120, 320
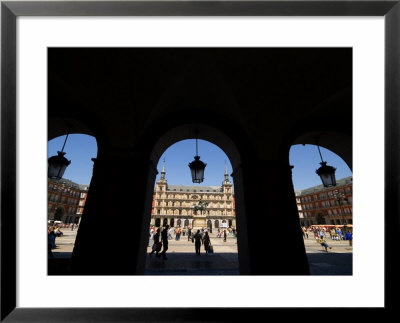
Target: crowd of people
52, 233
320, 234
160, 238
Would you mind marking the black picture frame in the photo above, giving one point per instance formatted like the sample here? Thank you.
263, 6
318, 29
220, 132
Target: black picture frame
10, 10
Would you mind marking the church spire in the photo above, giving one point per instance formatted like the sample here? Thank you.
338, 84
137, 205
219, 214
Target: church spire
226, 175
163, 170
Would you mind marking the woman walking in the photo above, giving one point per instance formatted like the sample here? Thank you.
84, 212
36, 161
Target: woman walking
156, 246
197, 242
206, 242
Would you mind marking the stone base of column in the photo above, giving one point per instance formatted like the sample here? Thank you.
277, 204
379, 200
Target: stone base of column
199, 223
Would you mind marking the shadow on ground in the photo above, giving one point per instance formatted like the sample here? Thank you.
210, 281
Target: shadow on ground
331, 263
59, 264
187, 264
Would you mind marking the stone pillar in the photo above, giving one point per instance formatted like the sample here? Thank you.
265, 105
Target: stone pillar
115, 212
276, 249
234, 223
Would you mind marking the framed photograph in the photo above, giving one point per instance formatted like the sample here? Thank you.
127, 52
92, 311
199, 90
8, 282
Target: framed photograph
31, 32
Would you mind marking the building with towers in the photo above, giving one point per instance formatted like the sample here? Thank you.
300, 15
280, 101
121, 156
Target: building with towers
175, 204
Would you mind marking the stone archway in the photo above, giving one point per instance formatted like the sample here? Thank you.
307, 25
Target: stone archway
217, 137
209, 225
59, 213
339, 143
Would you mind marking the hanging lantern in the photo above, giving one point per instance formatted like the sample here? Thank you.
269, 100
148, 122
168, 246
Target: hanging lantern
58, 164
327, 173
197, 168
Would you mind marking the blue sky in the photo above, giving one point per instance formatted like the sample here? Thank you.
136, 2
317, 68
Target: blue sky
81, 148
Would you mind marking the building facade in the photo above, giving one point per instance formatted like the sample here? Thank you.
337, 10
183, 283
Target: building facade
174, 204
66, 200
319, 205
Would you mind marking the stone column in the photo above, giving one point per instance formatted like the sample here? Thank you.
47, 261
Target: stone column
115, 214
276, 249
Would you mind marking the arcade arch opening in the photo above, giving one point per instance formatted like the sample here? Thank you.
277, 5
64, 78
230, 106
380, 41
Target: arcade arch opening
319, 205
325, 212
174, 202
67, 195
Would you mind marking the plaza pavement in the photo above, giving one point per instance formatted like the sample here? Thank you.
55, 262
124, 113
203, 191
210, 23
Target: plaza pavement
182, 259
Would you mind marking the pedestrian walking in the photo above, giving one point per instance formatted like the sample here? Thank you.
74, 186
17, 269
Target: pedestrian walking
224, 235
178, 234
339, 233
197, 242
164, 239
157, 244
189, 234
349, 237
51, 244
323, 243
151, 234
333, 234
206, 242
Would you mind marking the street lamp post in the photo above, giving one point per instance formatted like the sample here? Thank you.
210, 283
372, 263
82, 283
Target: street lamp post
59, 191
341, 197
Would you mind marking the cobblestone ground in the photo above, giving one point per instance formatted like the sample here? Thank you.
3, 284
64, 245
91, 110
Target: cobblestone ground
182, 259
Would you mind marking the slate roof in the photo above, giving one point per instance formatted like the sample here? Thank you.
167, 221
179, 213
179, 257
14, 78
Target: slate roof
319, 188
70, 183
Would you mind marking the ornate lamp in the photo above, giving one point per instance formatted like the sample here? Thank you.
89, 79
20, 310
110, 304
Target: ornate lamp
341, 197
58, 164
327, 173
197, 168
